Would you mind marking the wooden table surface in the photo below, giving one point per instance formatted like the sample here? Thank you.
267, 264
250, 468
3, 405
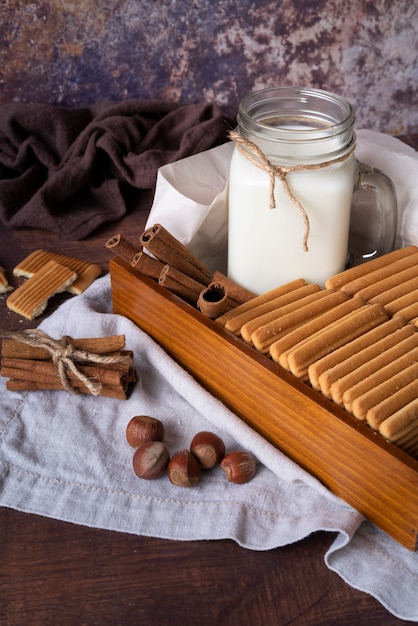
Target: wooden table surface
56, 573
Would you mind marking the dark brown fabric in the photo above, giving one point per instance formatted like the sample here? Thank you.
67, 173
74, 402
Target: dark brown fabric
70, 170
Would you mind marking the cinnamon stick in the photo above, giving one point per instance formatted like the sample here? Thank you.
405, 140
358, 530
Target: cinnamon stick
45, 371
117, 392
98, 345
166, 248
213, 300
180, 284
147, 264
37, 361
236, 292
126, 367
122, 247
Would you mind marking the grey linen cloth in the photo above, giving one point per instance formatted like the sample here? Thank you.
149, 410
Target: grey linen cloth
66, 457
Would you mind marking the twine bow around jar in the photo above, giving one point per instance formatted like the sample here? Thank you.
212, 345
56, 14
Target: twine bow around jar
257, 157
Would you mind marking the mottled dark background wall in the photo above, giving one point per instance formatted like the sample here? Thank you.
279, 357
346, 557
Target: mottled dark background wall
76, 52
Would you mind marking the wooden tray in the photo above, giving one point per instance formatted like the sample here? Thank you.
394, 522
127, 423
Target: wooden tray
372, 475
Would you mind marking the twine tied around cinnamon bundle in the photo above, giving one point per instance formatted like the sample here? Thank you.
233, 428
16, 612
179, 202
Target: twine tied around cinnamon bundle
257, 157
65, 355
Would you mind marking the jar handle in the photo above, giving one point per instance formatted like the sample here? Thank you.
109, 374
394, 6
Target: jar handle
374, 192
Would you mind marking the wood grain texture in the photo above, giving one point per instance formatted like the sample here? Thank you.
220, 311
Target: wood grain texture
371, 475
57, 573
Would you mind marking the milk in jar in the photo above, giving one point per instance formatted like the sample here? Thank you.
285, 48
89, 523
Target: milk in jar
310, 134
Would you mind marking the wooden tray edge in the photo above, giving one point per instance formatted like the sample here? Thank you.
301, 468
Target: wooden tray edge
396, 515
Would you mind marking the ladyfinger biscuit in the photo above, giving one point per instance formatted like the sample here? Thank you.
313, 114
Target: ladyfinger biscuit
390, 269
31, 298
291, 316
411, 449
280, 349
401, 423
411, 445
407, 438
385, 351
371, 390
261, 299
235, 324
353, 273
386, 387
4, 283
384, 409
86, 272
288, 303
399, 296
379, 287
333, 366
334, 336
406, 306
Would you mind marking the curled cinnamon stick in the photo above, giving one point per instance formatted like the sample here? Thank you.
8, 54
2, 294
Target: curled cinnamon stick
214, 300
166, 248
122, 247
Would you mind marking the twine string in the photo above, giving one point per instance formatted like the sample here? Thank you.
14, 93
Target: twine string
65, 356
257, 157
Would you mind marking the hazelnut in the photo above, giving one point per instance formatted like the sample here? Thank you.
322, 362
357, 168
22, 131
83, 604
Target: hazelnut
208, 448
239, 466
142, 428
184, 469
151, 459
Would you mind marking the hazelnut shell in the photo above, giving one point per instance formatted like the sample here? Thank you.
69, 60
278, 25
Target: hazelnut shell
208, 448
184, 469
150, 460
142, 428
239, 466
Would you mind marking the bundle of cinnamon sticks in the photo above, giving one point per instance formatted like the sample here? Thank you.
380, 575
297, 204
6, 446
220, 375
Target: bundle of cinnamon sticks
164, 258
97, 366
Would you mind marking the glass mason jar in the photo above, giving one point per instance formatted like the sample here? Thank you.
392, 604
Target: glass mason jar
293, 176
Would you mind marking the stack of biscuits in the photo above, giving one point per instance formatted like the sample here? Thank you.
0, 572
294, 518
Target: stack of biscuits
355, 340
48, 273
4, 283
